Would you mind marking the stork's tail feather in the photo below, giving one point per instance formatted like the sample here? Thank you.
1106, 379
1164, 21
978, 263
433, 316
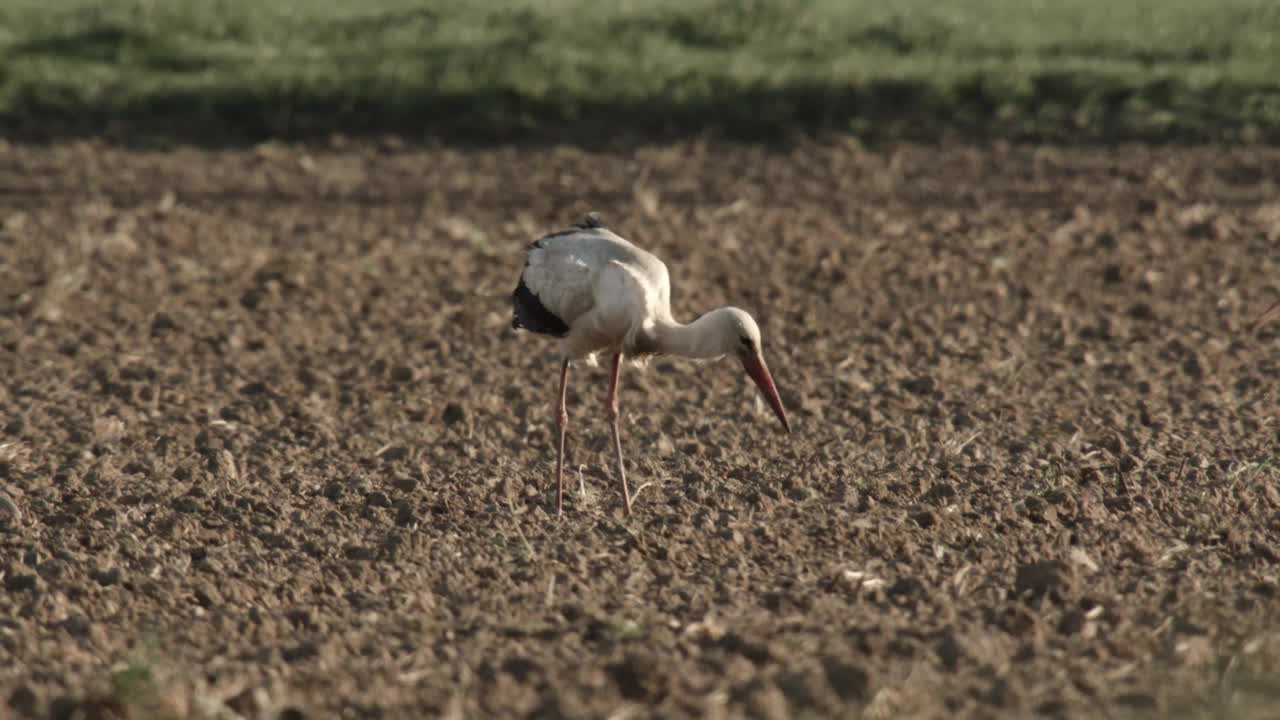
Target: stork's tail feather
592, 220
528, 312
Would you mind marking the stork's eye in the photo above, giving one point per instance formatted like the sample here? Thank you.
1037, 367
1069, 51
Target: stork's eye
744, 342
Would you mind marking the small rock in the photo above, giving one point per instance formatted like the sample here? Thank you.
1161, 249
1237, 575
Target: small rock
905, 589
277, 541
377, 499
187, 504
24, 702
1141, 311
923, 385
402, 374
1052, 709
207, 443
949, 650
454, 414
1055, 496
766, 699
77, 626
1136, 700
10, 515
300, 652
665, 447
65, 708
162, 324
300, 618
756, 652
849, 682
1118, 503
208, 596
395, 453
358, 552
226, 466
1200, 230
249, 702
168, 201
940, 492
636, 677
1072, 622
1192, 368
106, 576
404, 513
1081, 559
19, 578
884, 705
209, 564
1196, 651
1037, 579
519, 668
797, 491
252, 298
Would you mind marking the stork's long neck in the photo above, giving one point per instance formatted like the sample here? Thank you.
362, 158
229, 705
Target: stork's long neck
698, 340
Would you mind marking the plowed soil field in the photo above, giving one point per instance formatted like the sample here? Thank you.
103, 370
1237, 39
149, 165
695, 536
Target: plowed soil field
269, 446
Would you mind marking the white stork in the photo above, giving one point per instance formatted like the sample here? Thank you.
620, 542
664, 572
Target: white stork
599, 293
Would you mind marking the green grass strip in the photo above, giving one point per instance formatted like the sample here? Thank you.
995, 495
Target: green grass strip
1065, 70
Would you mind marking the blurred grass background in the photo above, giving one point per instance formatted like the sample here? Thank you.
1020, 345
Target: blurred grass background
577, 70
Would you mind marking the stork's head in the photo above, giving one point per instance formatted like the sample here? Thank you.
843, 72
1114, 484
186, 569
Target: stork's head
739, 335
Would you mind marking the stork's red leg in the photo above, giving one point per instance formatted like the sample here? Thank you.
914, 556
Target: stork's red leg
612, 404
562, 422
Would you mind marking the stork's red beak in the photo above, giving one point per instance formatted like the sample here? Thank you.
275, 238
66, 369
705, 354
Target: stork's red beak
754, 365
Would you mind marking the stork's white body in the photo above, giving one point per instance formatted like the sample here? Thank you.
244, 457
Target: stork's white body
598, 292
613, 295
